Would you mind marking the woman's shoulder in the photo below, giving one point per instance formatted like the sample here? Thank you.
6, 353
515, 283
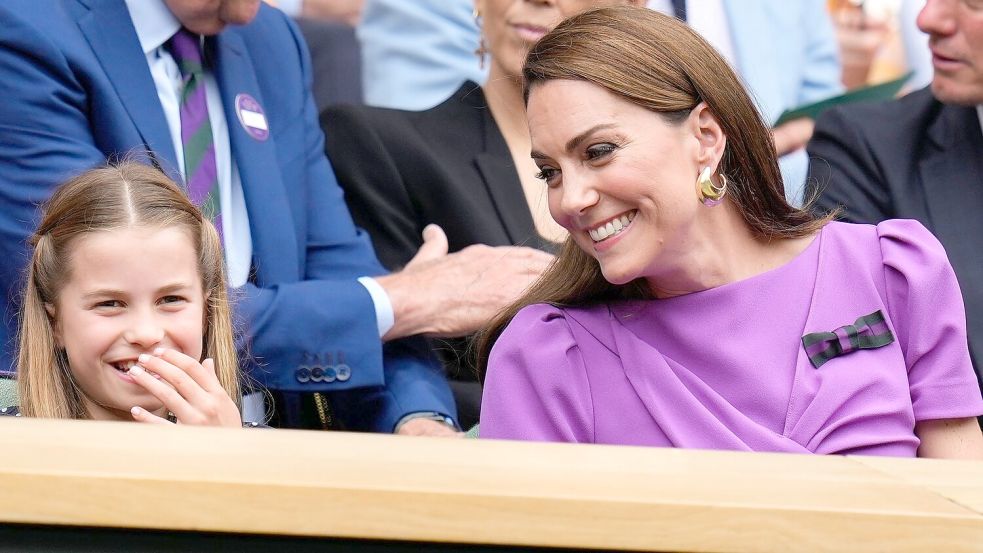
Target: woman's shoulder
581, 326
890, 239
545, 312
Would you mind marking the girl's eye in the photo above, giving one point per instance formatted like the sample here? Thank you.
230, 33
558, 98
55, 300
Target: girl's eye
546, 174
171, 299
597, 151
109, 304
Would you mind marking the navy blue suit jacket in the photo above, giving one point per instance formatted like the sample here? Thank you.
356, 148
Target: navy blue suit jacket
76, 90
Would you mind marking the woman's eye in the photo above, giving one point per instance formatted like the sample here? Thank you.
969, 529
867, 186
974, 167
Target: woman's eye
600, 150
546, 174
171, 299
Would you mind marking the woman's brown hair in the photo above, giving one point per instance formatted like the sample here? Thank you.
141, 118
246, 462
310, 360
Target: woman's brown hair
659, 63
126, 195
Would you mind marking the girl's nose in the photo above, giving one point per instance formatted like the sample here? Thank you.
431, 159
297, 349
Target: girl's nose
145, 332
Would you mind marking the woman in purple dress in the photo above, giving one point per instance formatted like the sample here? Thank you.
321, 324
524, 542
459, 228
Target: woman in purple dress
692, 306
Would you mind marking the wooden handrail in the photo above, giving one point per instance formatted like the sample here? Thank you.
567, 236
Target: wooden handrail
127, 475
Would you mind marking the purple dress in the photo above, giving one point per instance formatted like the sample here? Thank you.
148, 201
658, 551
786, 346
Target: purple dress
841, 350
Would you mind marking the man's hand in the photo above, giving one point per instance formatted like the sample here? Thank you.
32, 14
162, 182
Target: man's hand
427, 427
441, 294
792, 135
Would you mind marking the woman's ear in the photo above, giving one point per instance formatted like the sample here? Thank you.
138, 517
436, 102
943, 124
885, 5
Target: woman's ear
55, 326
709, 135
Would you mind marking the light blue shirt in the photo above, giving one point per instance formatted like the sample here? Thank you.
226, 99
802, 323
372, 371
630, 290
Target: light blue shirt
416, 53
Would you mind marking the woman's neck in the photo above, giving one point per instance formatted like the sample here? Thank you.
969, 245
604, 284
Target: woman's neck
725, 251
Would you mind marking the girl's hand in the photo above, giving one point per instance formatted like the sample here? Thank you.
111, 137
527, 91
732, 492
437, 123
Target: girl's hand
195, 395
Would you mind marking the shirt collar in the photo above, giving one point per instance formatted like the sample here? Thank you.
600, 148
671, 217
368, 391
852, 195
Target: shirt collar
153, 21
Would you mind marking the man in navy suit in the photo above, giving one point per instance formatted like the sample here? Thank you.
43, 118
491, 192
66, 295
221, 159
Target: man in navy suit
920, 156
83, 81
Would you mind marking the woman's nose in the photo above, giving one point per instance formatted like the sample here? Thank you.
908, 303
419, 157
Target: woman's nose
578, 195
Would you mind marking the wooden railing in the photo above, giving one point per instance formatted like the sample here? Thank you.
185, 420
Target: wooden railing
57, 476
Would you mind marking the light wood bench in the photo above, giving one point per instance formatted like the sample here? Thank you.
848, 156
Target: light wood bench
272, 490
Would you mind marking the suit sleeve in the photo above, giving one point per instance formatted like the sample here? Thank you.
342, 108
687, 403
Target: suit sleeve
843, 170
374, 186
338, 253
45, 138
536, 386
927, 308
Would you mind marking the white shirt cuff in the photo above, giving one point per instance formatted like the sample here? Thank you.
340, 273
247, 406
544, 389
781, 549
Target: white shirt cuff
290, 7
385, 318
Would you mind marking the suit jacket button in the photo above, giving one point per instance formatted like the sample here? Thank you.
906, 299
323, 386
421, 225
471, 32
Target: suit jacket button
303, 375
329, 373
344, 372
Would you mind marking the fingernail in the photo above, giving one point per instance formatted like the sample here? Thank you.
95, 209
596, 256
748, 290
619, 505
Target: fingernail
143, 358
135, 410
158, 351
136, 369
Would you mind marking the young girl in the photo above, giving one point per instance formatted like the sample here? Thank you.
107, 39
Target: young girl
125, 313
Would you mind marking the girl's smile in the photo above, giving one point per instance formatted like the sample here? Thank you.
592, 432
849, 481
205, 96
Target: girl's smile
129, 291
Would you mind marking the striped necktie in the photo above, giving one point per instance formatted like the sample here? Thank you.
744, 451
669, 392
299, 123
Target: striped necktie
201, 175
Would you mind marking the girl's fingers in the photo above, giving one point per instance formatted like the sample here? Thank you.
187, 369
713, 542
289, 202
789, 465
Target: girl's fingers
177, 376
142, 415
205, 378
170, 397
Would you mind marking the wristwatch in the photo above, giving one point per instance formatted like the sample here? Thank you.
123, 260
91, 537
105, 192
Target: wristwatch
428, 415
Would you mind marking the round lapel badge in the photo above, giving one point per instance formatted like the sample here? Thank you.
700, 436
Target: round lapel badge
251, 117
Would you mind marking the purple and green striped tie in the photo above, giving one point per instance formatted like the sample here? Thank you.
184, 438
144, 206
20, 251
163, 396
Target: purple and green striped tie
201, 175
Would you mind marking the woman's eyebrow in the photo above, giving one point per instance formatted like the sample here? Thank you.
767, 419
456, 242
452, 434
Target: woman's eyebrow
575, 142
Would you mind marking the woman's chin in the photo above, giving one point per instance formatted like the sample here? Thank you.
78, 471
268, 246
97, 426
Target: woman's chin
618, 278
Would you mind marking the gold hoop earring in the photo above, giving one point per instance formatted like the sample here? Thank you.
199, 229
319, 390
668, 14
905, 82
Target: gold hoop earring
708, 192
482, 49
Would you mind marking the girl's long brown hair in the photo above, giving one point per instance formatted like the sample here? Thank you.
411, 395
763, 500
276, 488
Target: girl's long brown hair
126, 195
659, 63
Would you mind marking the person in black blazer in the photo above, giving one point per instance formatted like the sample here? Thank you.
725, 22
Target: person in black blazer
919, 157
449, 166
913, 158
463, 165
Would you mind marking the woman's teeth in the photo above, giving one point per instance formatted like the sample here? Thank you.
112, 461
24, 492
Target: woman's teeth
611, 228
124, 365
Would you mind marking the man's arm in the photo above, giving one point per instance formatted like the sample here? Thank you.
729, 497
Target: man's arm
843, 170
45, 138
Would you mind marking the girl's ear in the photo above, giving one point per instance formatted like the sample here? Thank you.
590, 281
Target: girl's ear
55, 325
709, 135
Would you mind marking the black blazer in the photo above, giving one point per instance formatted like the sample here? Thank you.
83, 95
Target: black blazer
448, 165
913, 158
